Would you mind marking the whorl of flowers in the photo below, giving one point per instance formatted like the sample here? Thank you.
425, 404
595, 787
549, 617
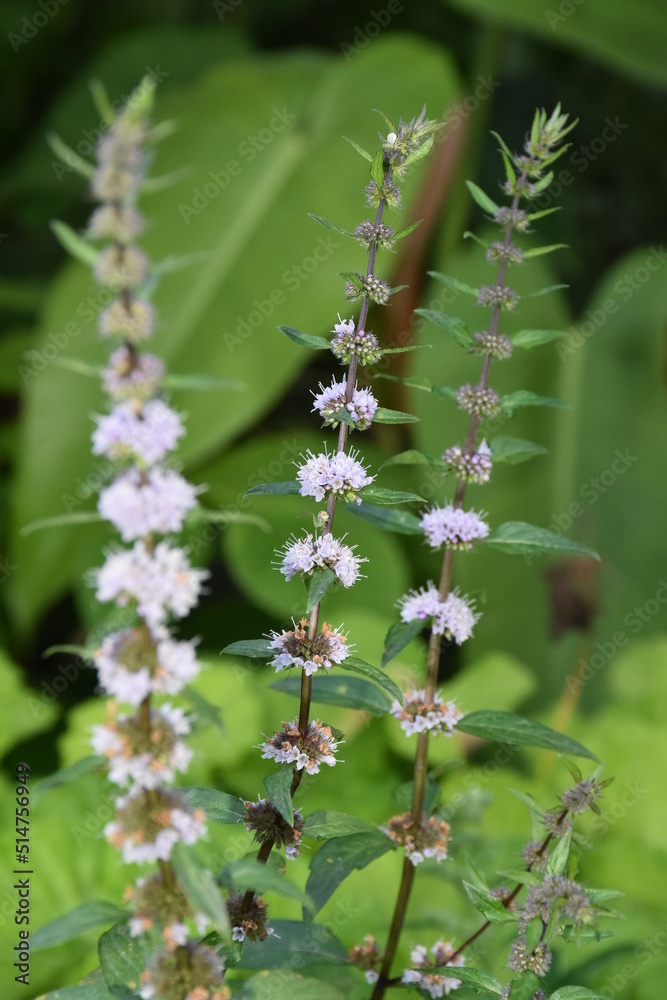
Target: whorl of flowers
418, 714
454, 617
288, 746
339, 473
453, 527
302, 555
295, 649
331, 400
429, 840
348, 343
435, 984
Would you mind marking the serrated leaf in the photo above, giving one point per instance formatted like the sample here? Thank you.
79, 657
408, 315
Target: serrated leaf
346, 692
359, 149
330, 225
327, 823
400, 521
514, 450
247, 873
219, 807
455, 327
483, 983
557, 863
402, 233
384, 416
79, 920
518, 538
380, 495
76, 245
75, 517
314, 945
452, 282
377, 168
489, 906
520, 875
398, 637
340, 856
277, 785
533, 338
367, 670
122, 959
203, 707
322, 580
482, 199
66, 774
505, 727
200, 887
523, 397
289, 488
539, 251
255, 648
310, 340
525, 987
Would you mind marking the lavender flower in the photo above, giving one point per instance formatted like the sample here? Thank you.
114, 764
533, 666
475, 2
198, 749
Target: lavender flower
340, 474
297, 650
417, 714
139, 503
145, 435
453, 527
361, 408
288, 746
302, 555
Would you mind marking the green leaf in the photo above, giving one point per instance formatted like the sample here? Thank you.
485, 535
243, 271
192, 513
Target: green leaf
277, 785
247, 873
514, 450
122, 959
201, 383
400, 521
359, 149
489, 906
402, 233
414, 457
327, 823
521, 876
69, 157
377, 168
78, 366
92, 987
79, 920
313, 945
523, 397
289, 488
539, 251
455, 327
404, 794
340, 856
65, 774
505, 727
525, 987
205, 710
219, 807
76, 517
200, 887
402, 350
347, 692
544, 291
380, 495
518, 538
322, 580
306, 339
328, 225
204, 515
557, 863
287, 985
532, 338
398, 637
76, 245
384, 416
482, 199
577, 993
414, 383
254, 648
483, 983
451, 282
371, 673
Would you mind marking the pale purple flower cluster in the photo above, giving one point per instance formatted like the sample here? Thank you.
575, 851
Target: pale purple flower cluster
132, 376
131, 665
169, 824
131, 761
348, 343
144, 434
453, 527
307, 753
417, 715
454, 617
303, 555
434, 984
139, 503
295, 649
472, 468
340, 473
361, 408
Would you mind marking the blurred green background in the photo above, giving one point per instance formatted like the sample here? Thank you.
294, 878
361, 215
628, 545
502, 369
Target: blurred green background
262, 94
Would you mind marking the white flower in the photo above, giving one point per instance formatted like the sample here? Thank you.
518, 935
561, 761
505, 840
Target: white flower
148, 833
123, 742
340, 473
146, 435
131, 664
454, 617
139, 503
132, 376
418, 715
287, 746
361, 407
302, 555
297, 650
452, 527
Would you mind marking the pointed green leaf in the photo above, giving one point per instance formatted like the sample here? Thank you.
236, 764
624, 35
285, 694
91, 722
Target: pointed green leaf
400, 521
414, 457
277, 785
66, 774
455, 327
468, 235
248, 873
517, 538
525, 987
327, 823
76, 922
76, 245
557, 863
451, 282
523, 397
200, 383
521, 875
532, 338
403, 350
545, 211
398, 637
489, 906
340, 856
404, 794
402, 233
78, 366
384, 497
504, 727
483, 983
219, 807
287, 985
367, 670
330, 225
76, 517
384, 416
293, 944
544, 182
322, 580
377, 168
203, 707
310, 340
289, 488
482, 199
69, 157
539, 251
514, 450
359, 149
544, 291
122, 959
420, 151
577, 993
255, 648
93, 987
200, 887
344, 691
414, 383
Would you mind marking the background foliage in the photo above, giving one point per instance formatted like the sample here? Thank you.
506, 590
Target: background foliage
274, 88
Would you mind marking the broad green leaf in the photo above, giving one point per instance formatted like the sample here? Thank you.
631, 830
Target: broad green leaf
533, 338
219, 807
287, 985
340, 856
455, 327
377, 168
483, 983
327, 225
322, 579
398, 637
482, 199
65, 774
557, 863
247, 873
288, 488
523, 397
400, 521
517, 538
414, 457
327, 823
514, 450
489, 906
204, 709
122, 959
577, 993
367, 670
93, 987
455, 283
521, 875
504, 727
76, 922
277, 785
200, 887
314, 945
306, 339
347, 692
384, 416
525, 987
380, 495
255, 648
